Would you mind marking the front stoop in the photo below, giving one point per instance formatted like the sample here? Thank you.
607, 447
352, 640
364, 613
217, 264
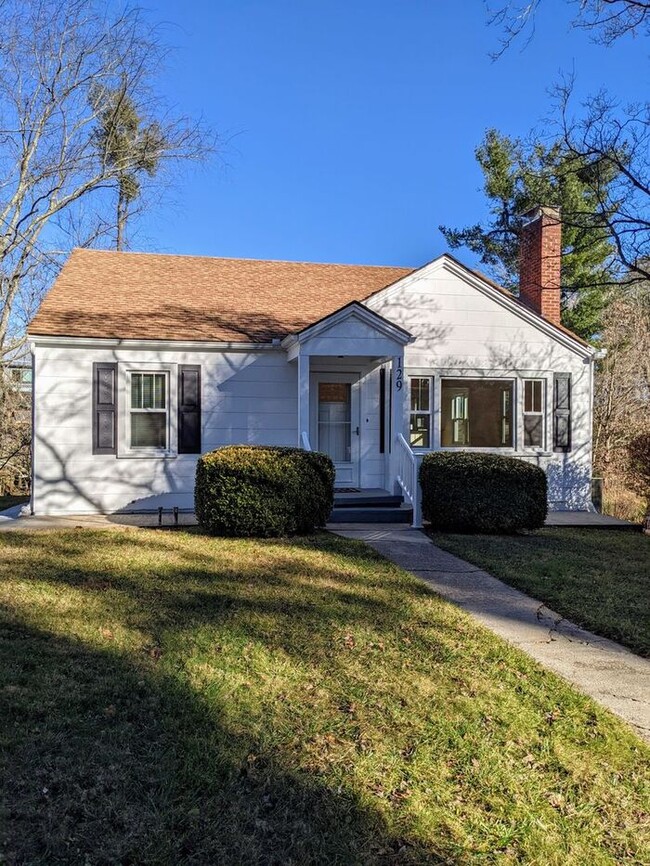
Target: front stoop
370, 506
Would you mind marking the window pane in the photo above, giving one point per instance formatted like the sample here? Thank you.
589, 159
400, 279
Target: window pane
335, 420
476, 413
533, 431
148, 390
420, 432
148, 430
136, 390
528, 396
533, 395
159, 391
420, 395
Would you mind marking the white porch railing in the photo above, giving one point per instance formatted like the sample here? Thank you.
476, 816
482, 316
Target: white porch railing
304, 441
407, 470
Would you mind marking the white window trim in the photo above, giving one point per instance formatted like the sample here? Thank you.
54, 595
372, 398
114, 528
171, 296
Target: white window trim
431, 413
535, 449
124, 410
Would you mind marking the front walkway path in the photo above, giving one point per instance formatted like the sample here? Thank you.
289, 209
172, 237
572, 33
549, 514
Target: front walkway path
16, 523
600, 668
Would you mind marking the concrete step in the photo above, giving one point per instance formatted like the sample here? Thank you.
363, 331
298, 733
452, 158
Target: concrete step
371, 498
369, 502
373, 514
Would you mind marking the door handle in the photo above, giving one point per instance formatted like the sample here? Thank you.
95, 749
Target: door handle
357, 431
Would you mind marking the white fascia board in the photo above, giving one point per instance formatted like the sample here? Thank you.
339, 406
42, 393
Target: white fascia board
41, 340
445, 262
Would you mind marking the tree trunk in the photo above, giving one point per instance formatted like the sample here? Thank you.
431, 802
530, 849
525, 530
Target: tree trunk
121, 220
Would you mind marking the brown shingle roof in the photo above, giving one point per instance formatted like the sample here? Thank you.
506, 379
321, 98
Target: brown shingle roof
167, 297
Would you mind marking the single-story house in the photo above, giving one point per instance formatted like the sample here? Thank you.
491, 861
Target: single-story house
144, 361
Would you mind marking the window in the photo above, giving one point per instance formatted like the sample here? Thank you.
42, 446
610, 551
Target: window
534, 413
420, 412
476, 413
22, 377
149, 410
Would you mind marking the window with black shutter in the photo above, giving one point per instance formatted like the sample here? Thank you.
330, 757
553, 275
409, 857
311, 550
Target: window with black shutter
189, 409
562, 412
104, 408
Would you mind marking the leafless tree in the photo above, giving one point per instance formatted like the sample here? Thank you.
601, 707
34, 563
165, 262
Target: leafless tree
15, 429
606, 137
60, 65
614, 141
623, 385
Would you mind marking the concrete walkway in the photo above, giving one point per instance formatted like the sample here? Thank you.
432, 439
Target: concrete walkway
600, 668
12, 519
91, 521
591, 519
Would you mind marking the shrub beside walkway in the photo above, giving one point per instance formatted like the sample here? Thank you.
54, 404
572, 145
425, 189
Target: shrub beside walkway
604, 670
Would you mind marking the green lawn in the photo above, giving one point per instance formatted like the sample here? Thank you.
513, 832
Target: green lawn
599, 578
169, 698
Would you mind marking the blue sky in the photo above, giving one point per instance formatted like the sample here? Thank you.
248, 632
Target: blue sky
349, 126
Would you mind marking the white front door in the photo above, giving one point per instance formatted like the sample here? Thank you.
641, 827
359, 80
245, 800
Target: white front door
335, 423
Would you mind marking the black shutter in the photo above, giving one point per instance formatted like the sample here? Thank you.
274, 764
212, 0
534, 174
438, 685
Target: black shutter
189, 409
562, 412
382, 410
104, 408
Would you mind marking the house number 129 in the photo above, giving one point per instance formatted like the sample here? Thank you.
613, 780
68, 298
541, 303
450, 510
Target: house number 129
398, 375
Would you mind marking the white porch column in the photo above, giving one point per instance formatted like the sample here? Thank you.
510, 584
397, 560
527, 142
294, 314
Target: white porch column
397, 409
303, 397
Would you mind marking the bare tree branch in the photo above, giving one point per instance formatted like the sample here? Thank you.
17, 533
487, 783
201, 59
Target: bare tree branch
606, 134
60, 64
606, 20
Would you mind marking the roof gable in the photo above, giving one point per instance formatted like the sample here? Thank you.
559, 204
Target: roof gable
355, 323
496, 293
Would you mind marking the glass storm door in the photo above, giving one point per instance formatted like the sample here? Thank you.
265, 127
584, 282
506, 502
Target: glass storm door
337, 423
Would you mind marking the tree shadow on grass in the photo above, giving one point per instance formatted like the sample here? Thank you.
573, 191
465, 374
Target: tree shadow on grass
291, 602
110, 757
106, 762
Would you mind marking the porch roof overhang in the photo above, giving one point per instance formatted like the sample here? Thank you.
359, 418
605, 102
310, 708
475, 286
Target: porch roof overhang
352, 330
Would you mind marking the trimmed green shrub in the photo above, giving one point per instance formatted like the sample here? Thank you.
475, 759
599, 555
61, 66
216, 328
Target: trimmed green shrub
467, 492
252, 490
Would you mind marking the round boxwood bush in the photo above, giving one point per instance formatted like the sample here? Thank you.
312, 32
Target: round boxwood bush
467, 492
244, 490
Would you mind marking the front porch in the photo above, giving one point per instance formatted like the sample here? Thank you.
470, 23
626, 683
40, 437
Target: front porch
351, 389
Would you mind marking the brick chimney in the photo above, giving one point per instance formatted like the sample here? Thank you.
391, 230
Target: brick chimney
540, 262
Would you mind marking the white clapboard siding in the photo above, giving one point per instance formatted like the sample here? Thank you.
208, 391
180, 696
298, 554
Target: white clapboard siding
460, 330
248, 398
461, 327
